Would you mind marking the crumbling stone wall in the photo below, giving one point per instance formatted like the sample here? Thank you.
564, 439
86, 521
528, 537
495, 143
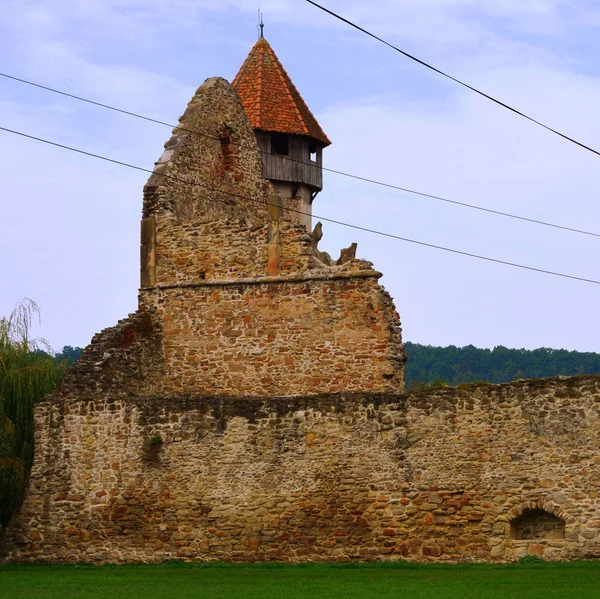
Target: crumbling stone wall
437, 476
123, 360
244, 300
211, 168
253, 407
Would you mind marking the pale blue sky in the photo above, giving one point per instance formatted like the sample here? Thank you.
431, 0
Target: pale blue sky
70, 231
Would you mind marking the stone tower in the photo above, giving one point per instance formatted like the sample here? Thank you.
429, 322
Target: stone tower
290, 139
245, 302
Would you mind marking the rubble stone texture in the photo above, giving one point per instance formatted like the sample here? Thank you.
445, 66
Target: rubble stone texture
438, 476
244, 303
253, 408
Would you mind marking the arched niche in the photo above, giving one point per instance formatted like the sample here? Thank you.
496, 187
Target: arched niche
537, 524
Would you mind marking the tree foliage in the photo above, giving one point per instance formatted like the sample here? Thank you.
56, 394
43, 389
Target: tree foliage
68, 354
27, 372
427, 364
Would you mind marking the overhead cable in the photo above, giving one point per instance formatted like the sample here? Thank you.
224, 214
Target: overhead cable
329, 170
440, 72
337, 222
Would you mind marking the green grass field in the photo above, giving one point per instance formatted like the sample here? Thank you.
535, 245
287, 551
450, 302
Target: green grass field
306, 581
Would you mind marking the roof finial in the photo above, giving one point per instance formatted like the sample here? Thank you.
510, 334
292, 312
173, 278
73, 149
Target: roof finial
261, 25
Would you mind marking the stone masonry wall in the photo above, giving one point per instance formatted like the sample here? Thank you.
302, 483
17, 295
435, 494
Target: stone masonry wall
252, 408
124, 360
435, 476
226, 250
280, 336
244, 301
211, 167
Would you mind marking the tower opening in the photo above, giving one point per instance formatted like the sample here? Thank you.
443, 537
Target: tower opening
280, 144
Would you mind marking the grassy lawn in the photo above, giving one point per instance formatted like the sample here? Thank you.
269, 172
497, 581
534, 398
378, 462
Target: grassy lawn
303, 581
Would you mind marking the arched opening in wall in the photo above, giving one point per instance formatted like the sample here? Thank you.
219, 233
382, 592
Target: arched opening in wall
537, 524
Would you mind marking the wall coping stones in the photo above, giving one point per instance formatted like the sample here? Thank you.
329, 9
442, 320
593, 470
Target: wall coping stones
367, 274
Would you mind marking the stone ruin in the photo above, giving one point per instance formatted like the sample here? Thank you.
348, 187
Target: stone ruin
253, 408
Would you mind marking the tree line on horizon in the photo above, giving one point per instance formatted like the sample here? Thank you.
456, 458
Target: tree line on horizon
453, 365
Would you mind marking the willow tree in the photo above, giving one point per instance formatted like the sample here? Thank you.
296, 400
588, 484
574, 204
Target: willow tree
27, 373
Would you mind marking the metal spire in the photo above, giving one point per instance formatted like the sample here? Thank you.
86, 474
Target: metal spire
262, 25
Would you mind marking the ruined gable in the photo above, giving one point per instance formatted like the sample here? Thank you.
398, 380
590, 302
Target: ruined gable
210, 168
238, 298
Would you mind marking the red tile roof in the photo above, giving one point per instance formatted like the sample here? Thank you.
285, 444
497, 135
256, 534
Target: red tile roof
270, 99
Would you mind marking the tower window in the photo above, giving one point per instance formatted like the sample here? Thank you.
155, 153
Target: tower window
312, 151
280, 144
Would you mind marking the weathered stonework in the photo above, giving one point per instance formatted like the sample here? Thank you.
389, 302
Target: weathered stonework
245, 302
253, 408
428, 477
281, 337
211, 167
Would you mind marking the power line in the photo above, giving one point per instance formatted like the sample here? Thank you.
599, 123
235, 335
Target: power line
337, 222
329, 170
440, 72
466, 205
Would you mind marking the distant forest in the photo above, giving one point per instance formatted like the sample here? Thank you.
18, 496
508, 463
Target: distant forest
68, 354
453, 365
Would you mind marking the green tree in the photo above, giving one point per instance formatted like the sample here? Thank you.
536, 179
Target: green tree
68, 354
427, 364
26, 374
